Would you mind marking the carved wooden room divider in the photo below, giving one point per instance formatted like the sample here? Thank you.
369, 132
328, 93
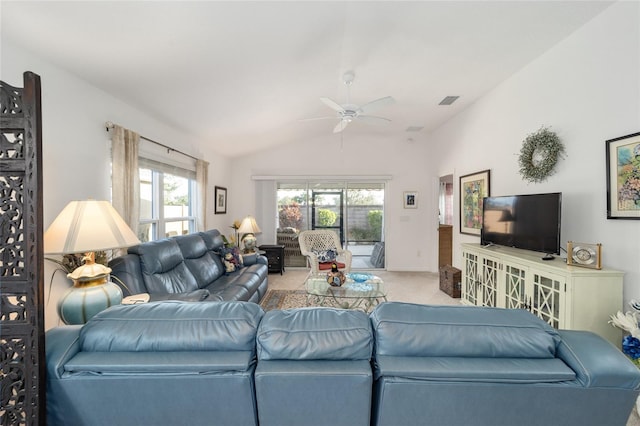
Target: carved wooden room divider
22, 362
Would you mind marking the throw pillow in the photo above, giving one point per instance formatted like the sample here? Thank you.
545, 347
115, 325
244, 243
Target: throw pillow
231, 258
326, 255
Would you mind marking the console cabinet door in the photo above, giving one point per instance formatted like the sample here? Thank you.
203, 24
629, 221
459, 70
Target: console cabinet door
480, 282
470, 278
489, 282
515, 294
546, 295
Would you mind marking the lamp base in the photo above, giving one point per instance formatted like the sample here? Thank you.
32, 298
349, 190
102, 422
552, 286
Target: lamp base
79, 304
249, 241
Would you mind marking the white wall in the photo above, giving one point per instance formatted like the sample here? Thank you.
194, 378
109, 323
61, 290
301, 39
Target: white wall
75, 144
587, 89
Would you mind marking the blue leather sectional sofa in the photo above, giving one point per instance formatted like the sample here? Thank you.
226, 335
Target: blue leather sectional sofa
229, 363
189, 267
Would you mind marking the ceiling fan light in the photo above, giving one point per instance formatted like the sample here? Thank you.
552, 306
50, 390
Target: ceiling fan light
348, 112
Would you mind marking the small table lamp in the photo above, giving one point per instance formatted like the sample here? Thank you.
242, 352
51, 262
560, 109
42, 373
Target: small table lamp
86, 227
249, 227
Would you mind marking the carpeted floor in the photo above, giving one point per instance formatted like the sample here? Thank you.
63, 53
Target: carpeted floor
284, 299
415, 287
287, 291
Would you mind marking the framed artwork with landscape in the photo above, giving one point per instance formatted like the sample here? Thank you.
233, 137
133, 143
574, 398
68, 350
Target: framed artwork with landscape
623, 177
220, 200
473, 188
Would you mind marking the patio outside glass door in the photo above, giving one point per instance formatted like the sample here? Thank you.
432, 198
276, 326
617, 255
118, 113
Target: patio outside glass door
327, 211
354, 210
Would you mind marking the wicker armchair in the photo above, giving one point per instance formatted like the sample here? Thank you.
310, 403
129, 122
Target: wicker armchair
319, 240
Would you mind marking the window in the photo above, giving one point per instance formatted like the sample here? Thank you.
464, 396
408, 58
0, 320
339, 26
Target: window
166, 201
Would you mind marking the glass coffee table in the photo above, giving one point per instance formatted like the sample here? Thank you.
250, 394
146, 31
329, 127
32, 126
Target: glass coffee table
361, 291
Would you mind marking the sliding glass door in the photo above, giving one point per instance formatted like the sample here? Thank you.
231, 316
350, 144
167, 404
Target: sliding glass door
354, 210
327, 211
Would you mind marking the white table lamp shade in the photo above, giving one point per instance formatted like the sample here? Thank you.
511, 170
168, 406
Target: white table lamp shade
249, 226
85, 226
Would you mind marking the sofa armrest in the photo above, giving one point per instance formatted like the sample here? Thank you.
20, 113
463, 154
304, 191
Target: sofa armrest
62, 344
126, 273
252, 259
596, 362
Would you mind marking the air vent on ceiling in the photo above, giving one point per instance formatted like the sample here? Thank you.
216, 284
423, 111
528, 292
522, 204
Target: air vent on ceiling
448, 100
414, 128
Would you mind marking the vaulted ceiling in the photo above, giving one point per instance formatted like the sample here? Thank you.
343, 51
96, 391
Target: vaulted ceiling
248, 73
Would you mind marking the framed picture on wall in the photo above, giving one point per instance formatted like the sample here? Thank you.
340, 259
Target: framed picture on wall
473, 188
623, 175
410, 200
220, 200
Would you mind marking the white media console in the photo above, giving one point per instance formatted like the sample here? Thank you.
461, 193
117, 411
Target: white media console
567, 297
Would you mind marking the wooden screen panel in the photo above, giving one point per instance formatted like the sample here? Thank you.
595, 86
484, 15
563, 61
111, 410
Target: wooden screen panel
22, 369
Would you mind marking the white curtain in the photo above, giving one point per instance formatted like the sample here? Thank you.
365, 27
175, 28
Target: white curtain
125, 181
202, 177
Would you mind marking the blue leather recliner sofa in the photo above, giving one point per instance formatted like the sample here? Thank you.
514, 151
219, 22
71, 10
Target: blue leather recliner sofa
160, 363
314, 368
189, 267
229, 363
458, 365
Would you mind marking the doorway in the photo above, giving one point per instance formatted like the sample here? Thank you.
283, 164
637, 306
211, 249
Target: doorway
445, 230
445, 201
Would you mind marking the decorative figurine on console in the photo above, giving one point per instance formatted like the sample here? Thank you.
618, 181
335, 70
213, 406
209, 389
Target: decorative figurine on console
335, 278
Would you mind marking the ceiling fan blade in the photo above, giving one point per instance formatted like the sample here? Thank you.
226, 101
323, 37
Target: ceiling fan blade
332, 104
340, 126
372, 119
373, 105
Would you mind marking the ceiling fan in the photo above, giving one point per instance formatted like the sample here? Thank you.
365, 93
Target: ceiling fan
349, 112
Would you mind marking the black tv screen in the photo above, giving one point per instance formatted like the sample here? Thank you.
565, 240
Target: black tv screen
530, 222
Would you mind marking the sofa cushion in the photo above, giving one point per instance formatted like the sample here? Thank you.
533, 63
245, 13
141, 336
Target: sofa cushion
173, 326
200, 261
239, 285
159, 363
213, 239
163, 268
314, 333
404, 329
486, 370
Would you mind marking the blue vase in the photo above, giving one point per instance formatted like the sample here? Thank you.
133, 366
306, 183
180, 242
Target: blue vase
81, 303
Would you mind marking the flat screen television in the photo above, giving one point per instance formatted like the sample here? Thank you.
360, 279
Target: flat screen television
530, 222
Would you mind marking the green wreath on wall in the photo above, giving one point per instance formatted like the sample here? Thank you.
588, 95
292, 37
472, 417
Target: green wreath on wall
539, 154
